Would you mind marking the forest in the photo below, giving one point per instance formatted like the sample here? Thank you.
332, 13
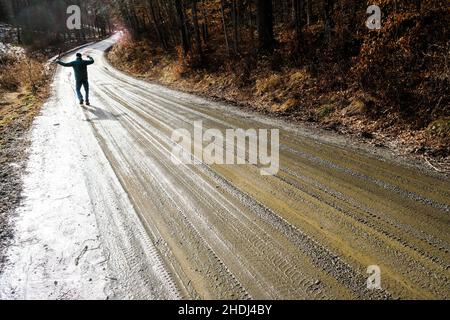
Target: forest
40, 23
312, 60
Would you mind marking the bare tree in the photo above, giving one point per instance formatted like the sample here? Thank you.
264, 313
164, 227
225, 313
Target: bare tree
265, 25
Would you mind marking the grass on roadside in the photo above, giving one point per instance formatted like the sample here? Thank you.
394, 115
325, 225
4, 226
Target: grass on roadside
24, 86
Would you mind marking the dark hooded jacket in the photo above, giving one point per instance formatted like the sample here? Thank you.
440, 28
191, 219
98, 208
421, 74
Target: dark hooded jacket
80, 67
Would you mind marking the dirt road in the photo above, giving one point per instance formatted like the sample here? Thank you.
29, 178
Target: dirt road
221, 231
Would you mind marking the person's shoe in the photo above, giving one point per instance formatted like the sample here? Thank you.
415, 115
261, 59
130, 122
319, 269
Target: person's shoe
81, 102
88, 103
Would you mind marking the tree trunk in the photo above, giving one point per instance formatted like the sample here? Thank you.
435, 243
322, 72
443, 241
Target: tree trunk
198, 39
205, 24
157, 25
222, 10
328, 10
308, 12
235, 27
183, 29
265, 25
298, 15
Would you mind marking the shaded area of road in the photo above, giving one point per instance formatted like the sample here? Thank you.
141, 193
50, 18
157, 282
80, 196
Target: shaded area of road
309, 232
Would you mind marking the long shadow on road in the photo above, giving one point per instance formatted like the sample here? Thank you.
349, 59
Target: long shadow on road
101, 114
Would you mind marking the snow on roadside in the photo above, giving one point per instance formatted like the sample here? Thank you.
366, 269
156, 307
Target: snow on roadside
56, 253
77, 235
6, 48
7, 35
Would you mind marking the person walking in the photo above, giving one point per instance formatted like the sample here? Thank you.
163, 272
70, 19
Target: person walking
81, 75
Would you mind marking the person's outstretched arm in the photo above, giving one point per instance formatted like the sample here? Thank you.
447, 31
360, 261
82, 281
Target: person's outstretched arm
70, 64
90, 60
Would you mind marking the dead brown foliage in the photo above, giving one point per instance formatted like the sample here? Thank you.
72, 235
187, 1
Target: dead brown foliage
393, 82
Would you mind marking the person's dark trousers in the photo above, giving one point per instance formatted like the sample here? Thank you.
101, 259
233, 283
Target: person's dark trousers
82, 83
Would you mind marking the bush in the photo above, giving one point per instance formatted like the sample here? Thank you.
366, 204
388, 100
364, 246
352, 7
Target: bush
8, 78
269, 84
21, 72
406, 65
440, 128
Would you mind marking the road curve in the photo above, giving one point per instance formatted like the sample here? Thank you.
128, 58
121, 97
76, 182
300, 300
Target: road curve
228, 232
